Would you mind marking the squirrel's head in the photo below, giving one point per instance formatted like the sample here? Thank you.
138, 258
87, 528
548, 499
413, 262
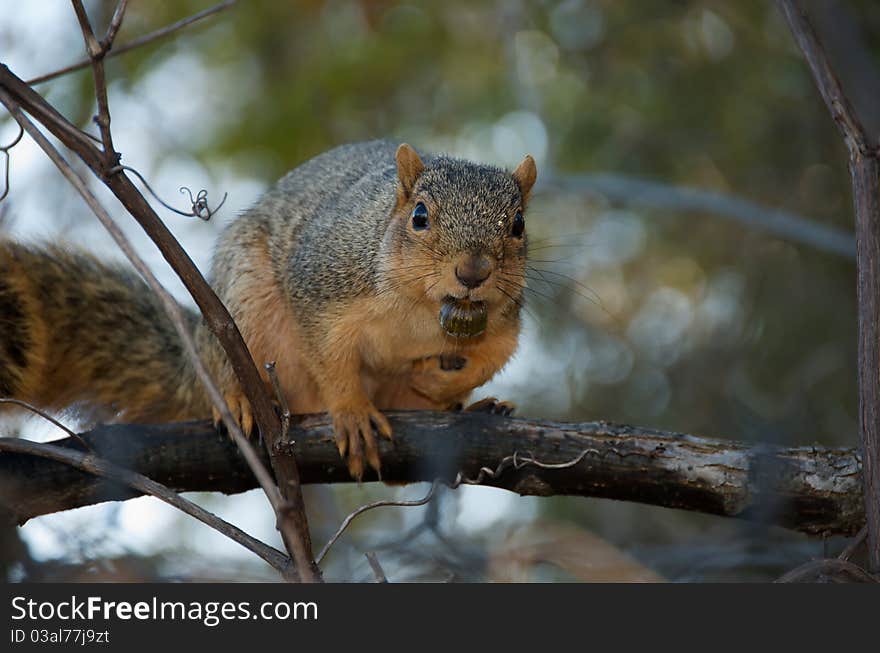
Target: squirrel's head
459, 237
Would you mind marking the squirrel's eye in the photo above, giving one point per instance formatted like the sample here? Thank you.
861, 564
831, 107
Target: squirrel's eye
519, 225
420, 217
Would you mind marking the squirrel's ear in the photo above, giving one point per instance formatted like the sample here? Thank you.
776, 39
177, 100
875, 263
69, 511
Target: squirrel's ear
409, 167
525, 175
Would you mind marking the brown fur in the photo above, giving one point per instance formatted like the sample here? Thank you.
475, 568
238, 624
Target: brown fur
95, 339
353, 330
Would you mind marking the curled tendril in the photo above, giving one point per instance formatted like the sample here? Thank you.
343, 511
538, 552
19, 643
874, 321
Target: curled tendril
200, 208
518, 461
199, 203
6, 163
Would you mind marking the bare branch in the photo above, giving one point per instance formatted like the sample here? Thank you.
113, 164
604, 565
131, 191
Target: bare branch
105, 469
96, 54
855, 135
853, 546
292, 517
633, 191
864, 166
5, 149
138, 42
827, 571
378, 572
46, 114
815, 490
115, 24
279, 395
371, 506
46, 416
199, 203
169, 304
841, 30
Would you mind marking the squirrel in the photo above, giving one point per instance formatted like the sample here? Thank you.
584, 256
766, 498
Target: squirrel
377, 279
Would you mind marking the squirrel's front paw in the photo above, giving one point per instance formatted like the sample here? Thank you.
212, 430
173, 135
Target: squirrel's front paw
240, 408
492, 406
353, 428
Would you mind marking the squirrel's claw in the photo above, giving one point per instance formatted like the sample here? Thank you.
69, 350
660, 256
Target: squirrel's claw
492, 406
356, 440
247, 418
240, 408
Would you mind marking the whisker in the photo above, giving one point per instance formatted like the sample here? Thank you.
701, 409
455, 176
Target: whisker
546, 242
529, 289
415, 302
518, 301
549, 298
569, 279
399, 283
408, 277
566, 237
555, 261
552, 284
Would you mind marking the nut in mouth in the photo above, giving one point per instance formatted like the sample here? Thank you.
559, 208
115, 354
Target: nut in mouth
463, 318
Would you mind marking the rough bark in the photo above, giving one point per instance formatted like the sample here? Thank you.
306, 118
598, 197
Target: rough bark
811, 489
866, 192
863, 143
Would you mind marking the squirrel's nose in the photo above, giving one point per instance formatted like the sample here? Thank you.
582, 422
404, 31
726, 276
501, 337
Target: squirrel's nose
473, 271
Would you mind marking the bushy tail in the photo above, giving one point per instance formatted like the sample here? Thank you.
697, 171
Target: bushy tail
78, 333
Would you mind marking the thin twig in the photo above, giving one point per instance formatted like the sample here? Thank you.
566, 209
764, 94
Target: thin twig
842, 111
45, 113
199, 204
282, 400
170, 305
46, 416
853, 546
864, 167
216, 316
115, 24
378, 572
827, 570
137, 43
101, 467
96, 54
5, 149
292, 518
370, 506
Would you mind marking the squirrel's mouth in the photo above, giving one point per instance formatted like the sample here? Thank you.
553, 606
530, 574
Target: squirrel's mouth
463, 318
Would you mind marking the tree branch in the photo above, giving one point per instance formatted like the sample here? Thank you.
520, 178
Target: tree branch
137, 43
827, 81
96, 55
172, 309
633, 191
115, 24
827, 571
292, 521
811, 489
103, 469
357, 512
864, 168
